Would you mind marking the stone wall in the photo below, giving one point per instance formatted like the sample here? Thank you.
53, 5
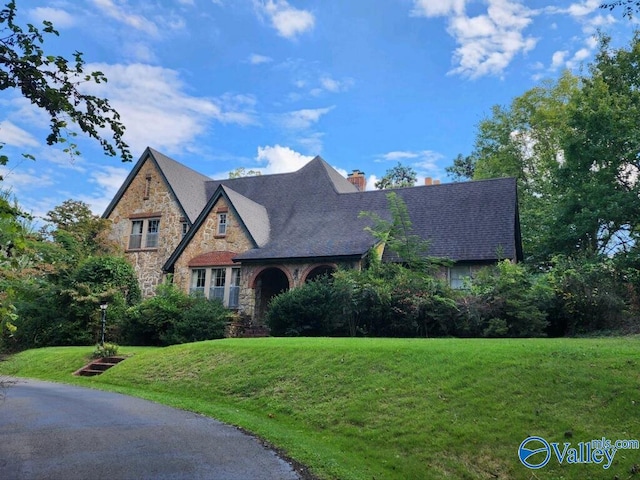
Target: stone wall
206, 239
142, 197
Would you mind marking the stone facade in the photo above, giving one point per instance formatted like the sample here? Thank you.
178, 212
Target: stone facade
148, 196
206, 240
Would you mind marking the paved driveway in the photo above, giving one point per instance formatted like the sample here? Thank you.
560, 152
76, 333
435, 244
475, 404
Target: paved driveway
52, 431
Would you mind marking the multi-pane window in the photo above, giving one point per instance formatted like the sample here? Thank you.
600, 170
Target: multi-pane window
234, 288
222, 224
222, 283
459, 276
217, 283
198, 281
153, 227
139, 239
135, 239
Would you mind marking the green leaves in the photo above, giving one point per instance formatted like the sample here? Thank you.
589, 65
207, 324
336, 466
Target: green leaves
51, 83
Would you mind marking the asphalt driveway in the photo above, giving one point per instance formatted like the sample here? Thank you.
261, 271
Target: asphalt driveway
53, 431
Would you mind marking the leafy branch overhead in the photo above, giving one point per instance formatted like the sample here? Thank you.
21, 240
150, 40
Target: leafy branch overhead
54, 84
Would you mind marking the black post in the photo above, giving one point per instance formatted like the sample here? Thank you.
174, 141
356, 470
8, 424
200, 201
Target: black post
103, 307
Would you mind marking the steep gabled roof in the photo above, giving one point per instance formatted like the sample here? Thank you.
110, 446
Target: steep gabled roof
187, 185
314, 213
254, 216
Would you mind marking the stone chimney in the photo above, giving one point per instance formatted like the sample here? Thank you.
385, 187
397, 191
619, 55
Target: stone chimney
357, 178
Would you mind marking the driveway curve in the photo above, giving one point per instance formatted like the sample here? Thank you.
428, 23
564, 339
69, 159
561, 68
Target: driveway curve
53, 431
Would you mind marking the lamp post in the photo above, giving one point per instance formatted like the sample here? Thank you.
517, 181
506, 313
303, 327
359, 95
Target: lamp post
103, 307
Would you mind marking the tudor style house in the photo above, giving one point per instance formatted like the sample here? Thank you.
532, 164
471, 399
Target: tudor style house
247, 239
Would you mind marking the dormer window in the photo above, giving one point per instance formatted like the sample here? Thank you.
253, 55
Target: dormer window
222, 224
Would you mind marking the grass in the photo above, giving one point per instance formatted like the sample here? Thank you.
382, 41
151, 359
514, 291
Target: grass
391, 408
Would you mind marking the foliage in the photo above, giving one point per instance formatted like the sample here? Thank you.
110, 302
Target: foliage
588, 296
106, 350
397, 239
310, 310
55, 85
243, 172
628, 7
397, 177
504, 301
598, 209
172, 316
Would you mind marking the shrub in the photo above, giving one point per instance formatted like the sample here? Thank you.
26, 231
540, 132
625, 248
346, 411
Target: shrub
505, 300
588, 296
309, 310
172, 316
106, 350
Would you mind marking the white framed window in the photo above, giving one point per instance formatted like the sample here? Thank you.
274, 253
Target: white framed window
144, 233
234, 288
217, 283
198, 281
222, 224
459, 276
135, 239
222, 283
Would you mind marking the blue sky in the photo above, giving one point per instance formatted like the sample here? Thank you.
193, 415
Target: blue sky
269, 84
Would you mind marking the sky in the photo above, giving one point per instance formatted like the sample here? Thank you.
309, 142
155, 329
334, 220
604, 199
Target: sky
269, 84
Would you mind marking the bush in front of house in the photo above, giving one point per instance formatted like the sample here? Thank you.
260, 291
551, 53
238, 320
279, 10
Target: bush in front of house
386, 300
310, 310
504, 300
171, 317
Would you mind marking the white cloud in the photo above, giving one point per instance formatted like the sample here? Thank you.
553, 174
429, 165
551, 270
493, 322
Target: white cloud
58, 17
371, 182
288, 21
558, 59
156, 109
281, 159
119, 12
11, 134
257, 59
108, 180
302, 119
312, 142
398, 155
583, 8
431, 8
488, 42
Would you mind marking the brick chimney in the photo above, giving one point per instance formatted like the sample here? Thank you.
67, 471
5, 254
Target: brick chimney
430, 181
357, 178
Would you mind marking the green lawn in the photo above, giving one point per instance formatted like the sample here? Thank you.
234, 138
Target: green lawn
392, 408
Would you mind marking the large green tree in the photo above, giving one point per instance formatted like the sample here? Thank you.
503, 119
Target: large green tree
55, 85
524, 140
599, 206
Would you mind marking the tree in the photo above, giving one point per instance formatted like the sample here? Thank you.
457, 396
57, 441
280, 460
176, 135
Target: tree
525, 141
397, 177
599, 182
463, 168
54, 84
83, 233
243, 172
628, 7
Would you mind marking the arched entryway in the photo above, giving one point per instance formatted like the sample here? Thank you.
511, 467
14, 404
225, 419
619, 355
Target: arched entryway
319, 271
267, 284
